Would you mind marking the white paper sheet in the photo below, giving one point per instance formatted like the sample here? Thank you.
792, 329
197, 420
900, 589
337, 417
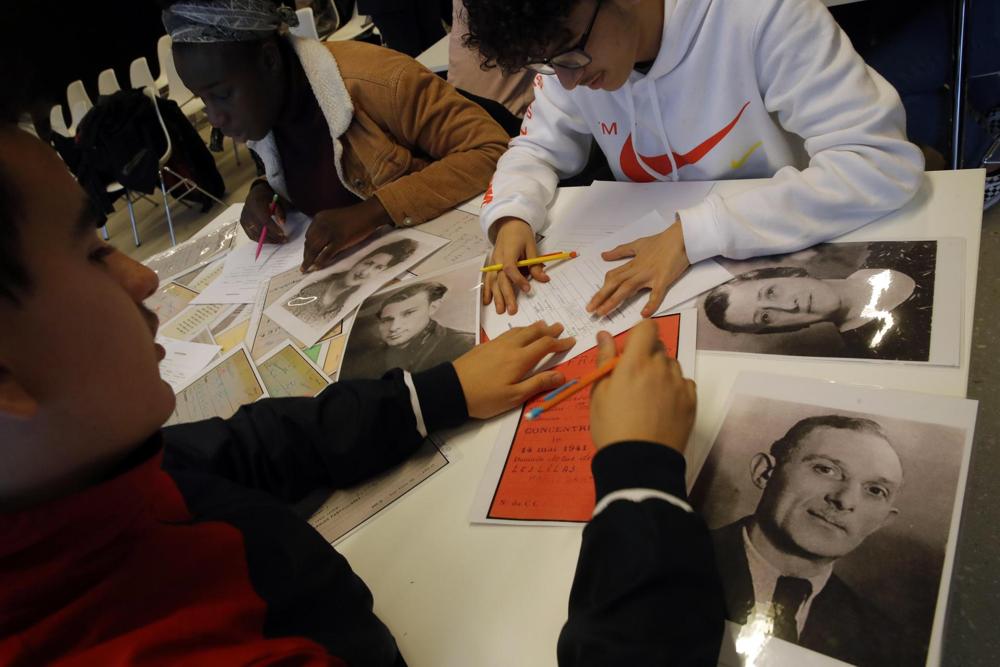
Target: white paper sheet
574, 282
465, 241
244, 273
589, 215
184, 361
347, 509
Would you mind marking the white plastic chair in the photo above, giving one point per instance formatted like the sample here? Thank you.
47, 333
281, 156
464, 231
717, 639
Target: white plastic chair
357, 26
107, 83
139, 75
162, 48
57, 121
176, 90
79, 104
307, 24
189, 184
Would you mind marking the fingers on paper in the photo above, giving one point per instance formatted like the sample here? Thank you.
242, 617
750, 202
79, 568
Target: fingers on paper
623, 251
538, 383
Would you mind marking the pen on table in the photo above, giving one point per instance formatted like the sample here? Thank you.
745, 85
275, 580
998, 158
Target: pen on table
534, 260
263, 232
560, 394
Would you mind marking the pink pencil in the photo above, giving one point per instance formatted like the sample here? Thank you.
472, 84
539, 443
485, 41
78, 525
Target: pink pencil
263, 232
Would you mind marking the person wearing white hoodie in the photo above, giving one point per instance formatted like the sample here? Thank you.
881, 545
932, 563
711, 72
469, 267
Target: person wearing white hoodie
691, 90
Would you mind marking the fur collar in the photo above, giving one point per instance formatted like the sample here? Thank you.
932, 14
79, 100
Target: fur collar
328, 87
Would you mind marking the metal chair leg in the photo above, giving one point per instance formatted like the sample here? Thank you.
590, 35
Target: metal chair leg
236, 154
166, 207
958, 117
131, 217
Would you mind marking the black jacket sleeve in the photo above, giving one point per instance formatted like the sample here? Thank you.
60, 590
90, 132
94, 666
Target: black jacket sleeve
646, 590
290, 446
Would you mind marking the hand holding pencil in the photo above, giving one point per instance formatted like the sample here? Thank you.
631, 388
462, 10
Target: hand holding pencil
646, 398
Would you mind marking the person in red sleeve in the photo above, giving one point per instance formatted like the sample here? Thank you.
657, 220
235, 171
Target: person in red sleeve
123, 542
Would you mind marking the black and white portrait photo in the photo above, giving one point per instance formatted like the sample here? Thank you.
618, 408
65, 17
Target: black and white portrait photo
872, 300
310, 308
831, 526
416, 326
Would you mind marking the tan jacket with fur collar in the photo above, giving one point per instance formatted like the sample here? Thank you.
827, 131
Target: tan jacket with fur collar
400, 133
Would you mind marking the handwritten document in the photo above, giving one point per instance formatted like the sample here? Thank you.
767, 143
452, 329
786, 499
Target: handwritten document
574, 282
169, 300
244, 272
220, 391
286, 372
346, 509
465, 241
189, 322
539, 471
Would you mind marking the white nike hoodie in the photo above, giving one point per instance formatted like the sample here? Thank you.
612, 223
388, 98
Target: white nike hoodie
739, 89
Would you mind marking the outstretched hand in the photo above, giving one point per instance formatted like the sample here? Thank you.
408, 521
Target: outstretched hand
495, 376
659, 260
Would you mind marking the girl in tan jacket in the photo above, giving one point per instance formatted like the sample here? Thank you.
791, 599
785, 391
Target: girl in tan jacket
353, 135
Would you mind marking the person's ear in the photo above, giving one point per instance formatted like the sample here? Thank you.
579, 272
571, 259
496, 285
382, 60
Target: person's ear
434, 306
15, 401
761, 468
270, 56
890, 517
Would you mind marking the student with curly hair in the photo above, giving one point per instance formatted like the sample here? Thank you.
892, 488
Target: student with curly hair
691, 90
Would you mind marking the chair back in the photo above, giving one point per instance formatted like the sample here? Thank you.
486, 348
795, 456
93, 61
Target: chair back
57, 121
168, 151
139, 75
176, 90
107, 82
79, 103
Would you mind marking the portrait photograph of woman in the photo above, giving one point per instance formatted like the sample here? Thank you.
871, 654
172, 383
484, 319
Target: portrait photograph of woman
314, 305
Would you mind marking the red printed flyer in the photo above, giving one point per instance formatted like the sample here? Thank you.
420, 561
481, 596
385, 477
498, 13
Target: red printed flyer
540, 469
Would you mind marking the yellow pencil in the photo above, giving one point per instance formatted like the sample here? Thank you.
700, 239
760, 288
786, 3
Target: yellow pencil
533, 261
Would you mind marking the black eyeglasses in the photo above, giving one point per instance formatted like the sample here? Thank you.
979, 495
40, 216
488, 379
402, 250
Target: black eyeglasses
573, 58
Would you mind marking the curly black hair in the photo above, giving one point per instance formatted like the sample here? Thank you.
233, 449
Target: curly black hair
509, 33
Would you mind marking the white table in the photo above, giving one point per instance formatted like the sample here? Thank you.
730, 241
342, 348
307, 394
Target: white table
459, 595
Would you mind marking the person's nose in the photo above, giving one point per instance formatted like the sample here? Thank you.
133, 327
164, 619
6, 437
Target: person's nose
783, 302
138, 280
569, 78
844, 496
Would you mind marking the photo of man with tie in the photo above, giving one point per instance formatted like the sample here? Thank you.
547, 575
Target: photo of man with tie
827, 485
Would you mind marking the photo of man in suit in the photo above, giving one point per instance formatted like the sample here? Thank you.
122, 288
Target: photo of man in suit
826, 485
408, 336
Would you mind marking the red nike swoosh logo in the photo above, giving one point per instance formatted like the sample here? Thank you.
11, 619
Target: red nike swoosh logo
631, 167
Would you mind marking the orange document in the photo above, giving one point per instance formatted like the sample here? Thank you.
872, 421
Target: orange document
546, 476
